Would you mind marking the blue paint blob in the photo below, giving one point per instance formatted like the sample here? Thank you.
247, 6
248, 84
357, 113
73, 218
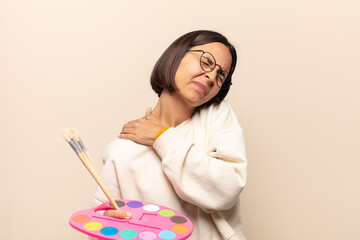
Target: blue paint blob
167, 235
109, 231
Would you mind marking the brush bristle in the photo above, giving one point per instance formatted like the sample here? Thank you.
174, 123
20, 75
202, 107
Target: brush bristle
66, 137
75, 133
68, 133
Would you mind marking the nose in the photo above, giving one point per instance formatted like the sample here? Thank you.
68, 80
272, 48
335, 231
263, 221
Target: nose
211, 76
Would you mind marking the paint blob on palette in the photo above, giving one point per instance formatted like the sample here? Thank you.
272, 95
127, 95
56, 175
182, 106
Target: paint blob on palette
149, 221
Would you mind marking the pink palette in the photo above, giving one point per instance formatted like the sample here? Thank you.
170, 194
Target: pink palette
149, 221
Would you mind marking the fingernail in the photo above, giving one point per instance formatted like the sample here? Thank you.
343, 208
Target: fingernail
128, 215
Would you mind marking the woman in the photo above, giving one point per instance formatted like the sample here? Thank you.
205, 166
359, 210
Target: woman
188, 153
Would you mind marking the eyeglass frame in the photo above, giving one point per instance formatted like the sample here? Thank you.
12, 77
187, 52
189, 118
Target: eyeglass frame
212, 68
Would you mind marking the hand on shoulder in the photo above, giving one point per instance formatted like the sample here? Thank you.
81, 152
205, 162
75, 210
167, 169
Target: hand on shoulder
142, 130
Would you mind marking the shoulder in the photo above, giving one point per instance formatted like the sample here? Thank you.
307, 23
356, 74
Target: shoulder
222, 112
120, 148
118, 144
221, 108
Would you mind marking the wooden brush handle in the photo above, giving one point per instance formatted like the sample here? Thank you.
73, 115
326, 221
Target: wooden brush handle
98, 179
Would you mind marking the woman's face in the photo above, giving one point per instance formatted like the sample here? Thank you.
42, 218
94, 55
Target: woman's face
196, 86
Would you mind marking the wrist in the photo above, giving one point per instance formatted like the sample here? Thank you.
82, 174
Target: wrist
160, 132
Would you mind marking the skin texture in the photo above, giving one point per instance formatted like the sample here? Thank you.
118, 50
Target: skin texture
195, 88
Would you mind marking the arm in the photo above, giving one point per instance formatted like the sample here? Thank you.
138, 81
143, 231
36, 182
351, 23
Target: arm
211, 180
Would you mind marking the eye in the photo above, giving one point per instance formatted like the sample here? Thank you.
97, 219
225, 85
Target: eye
220, 77
205, 62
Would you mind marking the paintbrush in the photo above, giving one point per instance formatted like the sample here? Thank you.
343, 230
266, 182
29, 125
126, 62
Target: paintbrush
81, 144
75, 146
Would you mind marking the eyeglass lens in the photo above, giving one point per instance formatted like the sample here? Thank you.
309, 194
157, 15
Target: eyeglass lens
208, 63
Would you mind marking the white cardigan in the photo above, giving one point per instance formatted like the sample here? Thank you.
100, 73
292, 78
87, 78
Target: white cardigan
197, 168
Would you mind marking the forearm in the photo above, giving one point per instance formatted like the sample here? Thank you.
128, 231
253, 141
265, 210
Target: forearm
202, 178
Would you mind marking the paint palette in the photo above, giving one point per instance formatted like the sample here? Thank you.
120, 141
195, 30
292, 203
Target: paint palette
149, 221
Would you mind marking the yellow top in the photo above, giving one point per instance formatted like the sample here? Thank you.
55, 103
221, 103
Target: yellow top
160, 132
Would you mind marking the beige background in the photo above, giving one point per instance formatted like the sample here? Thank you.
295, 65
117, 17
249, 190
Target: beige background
86, 63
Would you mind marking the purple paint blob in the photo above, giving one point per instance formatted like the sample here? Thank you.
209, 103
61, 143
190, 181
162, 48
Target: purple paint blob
135, 204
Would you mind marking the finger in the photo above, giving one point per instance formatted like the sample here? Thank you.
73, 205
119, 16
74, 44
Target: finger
118, 214
127, 130
127, 136
148, 113
131, 123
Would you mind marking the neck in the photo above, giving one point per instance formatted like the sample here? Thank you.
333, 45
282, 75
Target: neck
171, 110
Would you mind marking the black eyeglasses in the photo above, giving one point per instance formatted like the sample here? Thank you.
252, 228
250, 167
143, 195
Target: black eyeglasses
208, 63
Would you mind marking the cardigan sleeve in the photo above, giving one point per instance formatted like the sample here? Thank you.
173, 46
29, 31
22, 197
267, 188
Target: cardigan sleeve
211, 179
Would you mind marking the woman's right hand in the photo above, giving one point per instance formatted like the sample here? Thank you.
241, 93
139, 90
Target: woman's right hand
117, 213
142, 130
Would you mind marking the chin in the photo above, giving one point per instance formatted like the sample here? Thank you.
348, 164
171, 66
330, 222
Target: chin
196, 104
196, 100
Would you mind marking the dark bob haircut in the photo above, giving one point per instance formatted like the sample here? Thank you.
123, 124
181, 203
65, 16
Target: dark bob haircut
163, 74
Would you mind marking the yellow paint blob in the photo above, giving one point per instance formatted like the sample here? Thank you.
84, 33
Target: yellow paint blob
93, 226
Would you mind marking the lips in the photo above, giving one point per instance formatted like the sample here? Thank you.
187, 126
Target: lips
200, 87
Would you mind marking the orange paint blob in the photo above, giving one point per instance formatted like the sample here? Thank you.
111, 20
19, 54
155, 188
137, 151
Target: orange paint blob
180, 228
81, 219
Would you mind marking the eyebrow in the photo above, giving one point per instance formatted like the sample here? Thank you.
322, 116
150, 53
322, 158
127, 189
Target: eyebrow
210, 60
199, 50
222, 71
225, 71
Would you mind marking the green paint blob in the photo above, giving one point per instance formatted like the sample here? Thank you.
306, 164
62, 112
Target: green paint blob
128, 234
166, 213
